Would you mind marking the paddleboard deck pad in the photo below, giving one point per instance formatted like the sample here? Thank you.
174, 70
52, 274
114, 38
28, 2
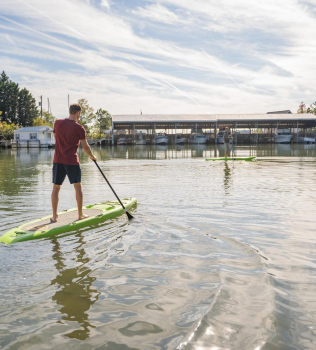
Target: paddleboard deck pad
247, 159
67, 221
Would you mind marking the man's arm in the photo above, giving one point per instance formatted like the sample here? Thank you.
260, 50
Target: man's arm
87, 149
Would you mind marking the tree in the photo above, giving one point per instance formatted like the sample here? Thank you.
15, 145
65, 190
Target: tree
87, 114
47, 119
17, 106
102, 122
301, 108
94, 123
312, 108
27, 109
4, 83
6, 130
38, 122
12, 97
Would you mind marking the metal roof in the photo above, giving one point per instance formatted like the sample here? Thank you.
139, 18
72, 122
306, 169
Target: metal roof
210, 118
35, 129
287, 111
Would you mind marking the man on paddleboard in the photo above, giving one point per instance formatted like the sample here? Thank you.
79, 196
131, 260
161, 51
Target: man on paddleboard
68, 134
227, 137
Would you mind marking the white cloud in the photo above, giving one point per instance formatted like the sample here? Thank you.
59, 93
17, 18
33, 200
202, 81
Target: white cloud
104, 55
9, 39
105, 3
158, 13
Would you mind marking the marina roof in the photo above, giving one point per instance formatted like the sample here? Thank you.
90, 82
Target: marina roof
174, 118
35, 129
167, 121
287, 111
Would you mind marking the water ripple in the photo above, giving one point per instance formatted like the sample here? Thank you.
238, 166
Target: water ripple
220, 256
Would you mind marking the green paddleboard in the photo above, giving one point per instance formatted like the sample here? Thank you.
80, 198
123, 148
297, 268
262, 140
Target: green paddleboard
247, 159
67, 221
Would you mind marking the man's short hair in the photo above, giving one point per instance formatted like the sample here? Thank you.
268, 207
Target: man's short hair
74, 108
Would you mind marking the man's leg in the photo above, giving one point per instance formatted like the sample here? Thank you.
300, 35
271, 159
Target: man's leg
79, 198
55, 200
58, 179
74, 175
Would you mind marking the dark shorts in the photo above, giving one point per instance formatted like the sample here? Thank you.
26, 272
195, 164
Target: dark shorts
61, 170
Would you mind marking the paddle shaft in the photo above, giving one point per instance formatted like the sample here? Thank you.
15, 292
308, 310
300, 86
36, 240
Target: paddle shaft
127, 213
233, 149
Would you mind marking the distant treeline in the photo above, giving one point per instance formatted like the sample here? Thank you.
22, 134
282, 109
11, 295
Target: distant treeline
311, 109
17, 106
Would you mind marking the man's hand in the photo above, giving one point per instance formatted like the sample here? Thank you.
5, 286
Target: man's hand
93, 157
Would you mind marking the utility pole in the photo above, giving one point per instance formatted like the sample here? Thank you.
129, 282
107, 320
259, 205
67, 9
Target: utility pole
49, 111
41, 106
68, 101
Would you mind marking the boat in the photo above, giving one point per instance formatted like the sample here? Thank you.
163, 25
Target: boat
122, 141
161, 139
197, 138
220, 137
247, 159
283, 136
140, 140
67, 221
304, 140
180, 140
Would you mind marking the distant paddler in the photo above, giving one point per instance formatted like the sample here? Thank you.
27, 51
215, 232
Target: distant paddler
227, 138
68, 134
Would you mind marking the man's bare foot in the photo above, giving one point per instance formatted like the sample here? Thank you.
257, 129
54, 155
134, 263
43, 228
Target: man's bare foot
54, 219
83, 216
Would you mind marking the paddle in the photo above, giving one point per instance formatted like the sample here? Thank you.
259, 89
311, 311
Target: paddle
233, 149
130, 217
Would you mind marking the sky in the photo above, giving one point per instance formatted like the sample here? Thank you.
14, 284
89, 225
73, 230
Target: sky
162, 56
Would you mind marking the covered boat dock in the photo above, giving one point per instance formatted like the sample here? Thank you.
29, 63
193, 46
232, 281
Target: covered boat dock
210, 123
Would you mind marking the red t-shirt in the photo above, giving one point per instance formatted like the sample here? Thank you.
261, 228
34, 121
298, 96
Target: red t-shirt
67, 135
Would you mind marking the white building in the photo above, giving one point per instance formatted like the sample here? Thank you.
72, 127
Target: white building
34, 136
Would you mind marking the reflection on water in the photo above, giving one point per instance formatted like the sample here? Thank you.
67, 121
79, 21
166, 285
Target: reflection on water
206, 151
227, 178
25, 156
221, 255
75, 294
139, 328
197, 150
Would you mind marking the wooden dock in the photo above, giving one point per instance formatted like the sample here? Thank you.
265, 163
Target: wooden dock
5, 143
23, 144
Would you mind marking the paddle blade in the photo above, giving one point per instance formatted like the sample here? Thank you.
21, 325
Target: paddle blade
130, 217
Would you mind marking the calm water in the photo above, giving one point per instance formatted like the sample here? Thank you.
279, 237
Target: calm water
221, 255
